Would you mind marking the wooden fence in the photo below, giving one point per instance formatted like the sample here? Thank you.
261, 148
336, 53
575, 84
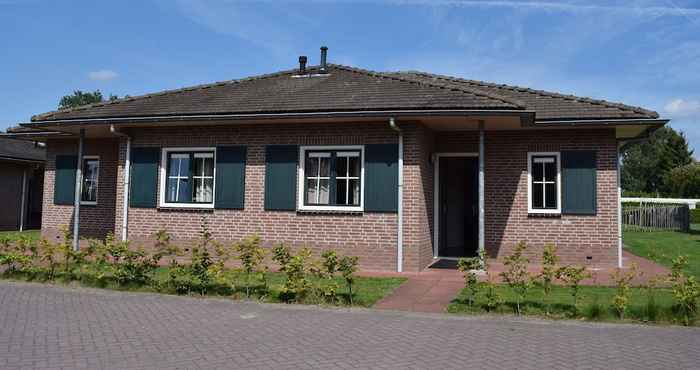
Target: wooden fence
652, 217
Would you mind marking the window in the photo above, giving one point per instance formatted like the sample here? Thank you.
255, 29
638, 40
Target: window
544, 184
331, 178
91, 174
187, 178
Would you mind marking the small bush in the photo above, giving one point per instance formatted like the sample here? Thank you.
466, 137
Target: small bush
468, 266
622, 297
550, 261
347, 267
686, 290
252, 257
516, 274
572, 277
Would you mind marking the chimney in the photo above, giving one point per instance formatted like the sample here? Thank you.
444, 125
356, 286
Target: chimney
324, 54
302, 65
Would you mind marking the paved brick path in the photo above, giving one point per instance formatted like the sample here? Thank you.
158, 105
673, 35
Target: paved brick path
54, 327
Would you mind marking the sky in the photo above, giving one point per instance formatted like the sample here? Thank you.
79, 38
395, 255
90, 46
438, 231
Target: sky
644, 53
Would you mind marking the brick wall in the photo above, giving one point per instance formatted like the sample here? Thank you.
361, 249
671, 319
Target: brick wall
507, 220
371, 236
95, 220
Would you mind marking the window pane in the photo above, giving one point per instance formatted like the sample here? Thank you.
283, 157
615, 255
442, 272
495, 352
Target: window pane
537, 171
550, 171
324, 192
203, 190
354, 166
341, 167
325, 167
185, 192
171, 190
204, 167
354, 196
537, 196
88, 190
551, 196
311, 191
311, 167
340, 192
179, 164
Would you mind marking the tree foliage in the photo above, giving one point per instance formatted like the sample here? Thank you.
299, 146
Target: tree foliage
79, 98
645, 165
684, 181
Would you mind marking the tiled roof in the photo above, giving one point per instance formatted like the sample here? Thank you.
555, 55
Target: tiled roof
342, 89
20, 149
547, 105
347, 89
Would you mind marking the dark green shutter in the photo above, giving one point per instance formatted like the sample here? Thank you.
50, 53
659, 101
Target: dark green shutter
64, 181
230, 177
381, 178
578, 174
144, 177
281, 177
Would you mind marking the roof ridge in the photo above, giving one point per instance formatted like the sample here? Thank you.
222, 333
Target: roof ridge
161, 93
393, 76
571, 97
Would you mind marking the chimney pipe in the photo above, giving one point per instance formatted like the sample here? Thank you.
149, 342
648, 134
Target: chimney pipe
302, 64
324, 54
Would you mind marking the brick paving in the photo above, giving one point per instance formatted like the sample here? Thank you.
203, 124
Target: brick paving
49, 327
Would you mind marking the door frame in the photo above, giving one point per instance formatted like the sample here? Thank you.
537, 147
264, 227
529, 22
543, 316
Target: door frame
436, 196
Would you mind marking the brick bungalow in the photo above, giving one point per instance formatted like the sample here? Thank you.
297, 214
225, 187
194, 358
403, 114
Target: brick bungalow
398, 168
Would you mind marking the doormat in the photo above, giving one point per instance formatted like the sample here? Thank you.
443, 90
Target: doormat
444, 263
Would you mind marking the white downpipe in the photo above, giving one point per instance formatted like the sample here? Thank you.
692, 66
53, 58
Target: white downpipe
127, 184
24, 199
78, 187
399, 232
482, 207
619, 210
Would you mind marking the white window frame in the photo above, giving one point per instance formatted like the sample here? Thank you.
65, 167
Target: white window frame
163, 177
97, 193
531, 210
302, 178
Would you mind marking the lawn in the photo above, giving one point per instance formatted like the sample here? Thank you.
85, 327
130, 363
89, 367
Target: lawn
33, 235
366, 290
594, 303
663, 246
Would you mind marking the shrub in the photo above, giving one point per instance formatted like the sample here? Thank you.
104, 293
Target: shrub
572, 277
516, 274
47, 253
348, 266
622, 296
651, 309
549, 273
493, 299
295, 268
468, 266
164, 248
325, 270
686, 290
251, 256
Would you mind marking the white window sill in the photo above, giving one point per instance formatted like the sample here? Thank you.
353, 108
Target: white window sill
329, 209
536, 213
185, 206
86, 203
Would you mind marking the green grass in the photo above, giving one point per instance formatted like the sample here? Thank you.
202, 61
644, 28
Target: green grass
366, 290
663, 246
593, 304
33, 235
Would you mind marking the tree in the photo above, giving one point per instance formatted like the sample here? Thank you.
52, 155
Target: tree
79, 98
684, 181
646, 164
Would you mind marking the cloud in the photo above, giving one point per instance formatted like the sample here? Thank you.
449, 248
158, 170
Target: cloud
103, 75
654, 11
681, 108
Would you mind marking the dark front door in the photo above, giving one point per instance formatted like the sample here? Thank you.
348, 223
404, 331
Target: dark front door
458, 207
